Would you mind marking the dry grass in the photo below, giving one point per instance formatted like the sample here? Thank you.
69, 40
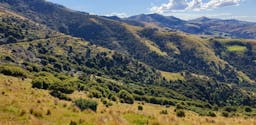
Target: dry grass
172, 76
23, 105
151, 45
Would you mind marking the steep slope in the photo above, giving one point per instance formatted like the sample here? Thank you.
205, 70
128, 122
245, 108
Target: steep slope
63, 53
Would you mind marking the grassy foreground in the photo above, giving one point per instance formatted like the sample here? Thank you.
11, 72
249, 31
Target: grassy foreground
22, 105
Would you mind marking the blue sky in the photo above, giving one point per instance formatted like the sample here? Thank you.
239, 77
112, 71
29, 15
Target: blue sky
184, 9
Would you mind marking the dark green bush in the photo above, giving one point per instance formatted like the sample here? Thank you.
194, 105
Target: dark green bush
211, 114
49, 81
112, 97
164, 112
13, 71
248, 109
230, 109
180, 106
45, 81
140, 108
180, 113
126, 97
225, 114
73, 123
84, 104
59, 95
63, 87
95, 94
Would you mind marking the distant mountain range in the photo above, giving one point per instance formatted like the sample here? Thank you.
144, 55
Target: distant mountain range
202, 26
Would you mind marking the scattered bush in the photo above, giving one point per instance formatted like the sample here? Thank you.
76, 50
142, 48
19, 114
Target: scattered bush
180, 113
211, 114
37, 114
248, 109
73, 123
13, 71
63, 87
230, 109
23, 112
59, 95
45, 81
164, 112
225, 114
95, 94
48, 112
140, 108
106, 102
84, 104
180, 106
126, 97
113, 98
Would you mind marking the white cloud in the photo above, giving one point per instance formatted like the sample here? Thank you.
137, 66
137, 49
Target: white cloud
195, 5
121, 15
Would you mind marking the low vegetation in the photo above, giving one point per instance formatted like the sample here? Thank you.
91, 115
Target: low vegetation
84, 104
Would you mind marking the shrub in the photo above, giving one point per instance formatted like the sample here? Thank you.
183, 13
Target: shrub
180, 106
13, 71
106, 102
95, 93
230, 109
84, 104
140, 108
45, 81
248, 109
211, 114
48, 112
225, 114
63, 87
180, 113
113, 98
23, 112
73, 123
59, 95
126, 97
164, 112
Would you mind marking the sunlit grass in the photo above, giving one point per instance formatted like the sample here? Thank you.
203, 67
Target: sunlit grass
236, 48
172, 76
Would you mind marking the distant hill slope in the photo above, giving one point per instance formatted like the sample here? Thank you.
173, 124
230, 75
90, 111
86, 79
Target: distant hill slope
202, 26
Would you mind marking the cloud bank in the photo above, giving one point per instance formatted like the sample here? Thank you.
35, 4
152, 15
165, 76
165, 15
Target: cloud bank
121, 15
194, 5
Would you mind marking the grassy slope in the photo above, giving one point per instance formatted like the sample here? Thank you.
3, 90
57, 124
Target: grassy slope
18, 99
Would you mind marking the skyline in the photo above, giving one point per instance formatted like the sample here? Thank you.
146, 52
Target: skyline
184, 9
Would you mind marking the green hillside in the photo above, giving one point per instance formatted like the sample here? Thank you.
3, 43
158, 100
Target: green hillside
94, 67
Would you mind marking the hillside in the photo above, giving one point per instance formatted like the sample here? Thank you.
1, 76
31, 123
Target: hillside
74, 57
61, 55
